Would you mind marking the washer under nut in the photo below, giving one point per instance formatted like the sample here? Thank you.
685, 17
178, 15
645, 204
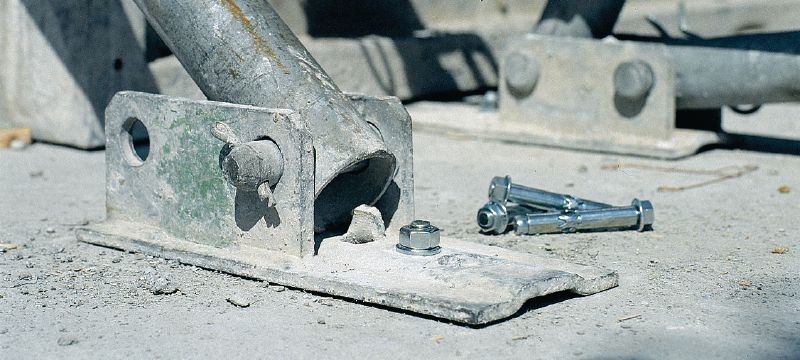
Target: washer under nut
419, 238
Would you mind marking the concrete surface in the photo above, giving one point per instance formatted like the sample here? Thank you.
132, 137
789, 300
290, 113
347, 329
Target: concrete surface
47, 81
705, 283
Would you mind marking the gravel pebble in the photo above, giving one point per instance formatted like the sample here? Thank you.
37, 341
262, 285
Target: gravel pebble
239, 300
67, 340
160, 285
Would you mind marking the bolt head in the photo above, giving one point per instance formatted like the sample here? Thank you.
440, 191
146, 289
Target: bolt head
419, 235
633, 80
493, 218
499, 189
521, 74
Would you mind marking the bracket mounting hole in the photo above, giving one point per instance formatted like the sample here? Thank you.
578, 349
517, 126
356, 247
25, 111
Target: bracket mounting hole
135, 141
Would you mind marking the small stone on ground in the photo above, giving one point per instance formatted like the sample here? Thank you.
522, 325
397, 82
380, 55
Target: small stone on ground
67, 341
367, 226
239, 300
160, 285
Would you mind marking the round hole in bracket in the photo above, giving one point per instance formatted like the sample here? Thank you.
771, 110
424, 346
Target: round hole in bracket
118, 64
135, 141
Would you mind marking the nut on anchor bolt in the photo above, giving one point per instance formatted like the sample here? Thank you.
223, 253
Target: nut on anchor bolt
419, 238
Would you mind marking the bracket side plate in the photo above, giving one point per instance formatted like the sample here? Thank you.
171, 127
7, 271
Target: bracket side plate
573, 103
180, 187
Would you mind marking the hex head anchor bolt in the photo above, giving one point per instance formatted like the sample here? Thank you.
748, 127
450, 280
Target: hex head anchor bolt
419, 238
253, 166
502, 191
495, 218
639, 216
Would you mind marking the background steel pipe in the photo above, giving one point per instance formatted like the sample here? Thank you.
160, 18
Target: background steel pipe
241, 51
712, 77
737, 70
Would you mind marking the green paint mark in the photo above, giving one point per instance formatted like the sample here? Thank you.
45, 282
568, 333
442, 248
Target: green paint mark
202, 203
182, 121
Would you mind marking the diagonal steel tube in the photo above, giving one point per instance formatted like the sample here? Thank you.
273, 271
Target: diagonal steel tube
241, 51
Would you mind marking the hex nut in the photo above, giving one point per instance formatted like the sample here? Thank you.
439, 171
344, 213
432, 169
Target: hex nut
419, 238
499, 189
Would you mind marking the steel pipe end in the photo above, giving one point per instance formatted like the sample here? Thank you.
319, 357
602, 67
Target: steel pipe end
646, 214
499, 189
493, 218
361, 182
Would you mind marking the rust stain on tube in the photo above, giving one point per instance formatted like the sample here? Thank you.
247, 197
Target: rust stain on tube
258, 41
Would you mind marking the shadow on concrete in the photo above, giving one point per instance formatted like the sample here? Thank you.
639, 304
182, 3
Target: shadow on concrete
357, 18
711, 120
765, 144
424, 74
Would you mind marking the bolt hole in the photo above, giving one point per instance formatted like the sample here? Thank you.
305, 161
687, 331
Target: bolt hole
136, 141
483, 219
118, 64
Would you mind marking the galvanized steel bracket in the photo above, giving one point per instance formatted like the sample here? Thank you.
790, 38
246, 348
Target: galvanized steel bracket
560, 92
175, 203
574, 102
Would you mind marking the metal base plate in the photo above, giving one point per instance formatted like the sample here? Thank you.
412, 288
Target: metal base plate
429, 117
467, 282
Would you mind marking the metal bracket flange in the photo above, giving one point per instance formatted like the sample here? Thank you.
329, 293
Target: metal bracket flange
179, 186
560, 92
174, 203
